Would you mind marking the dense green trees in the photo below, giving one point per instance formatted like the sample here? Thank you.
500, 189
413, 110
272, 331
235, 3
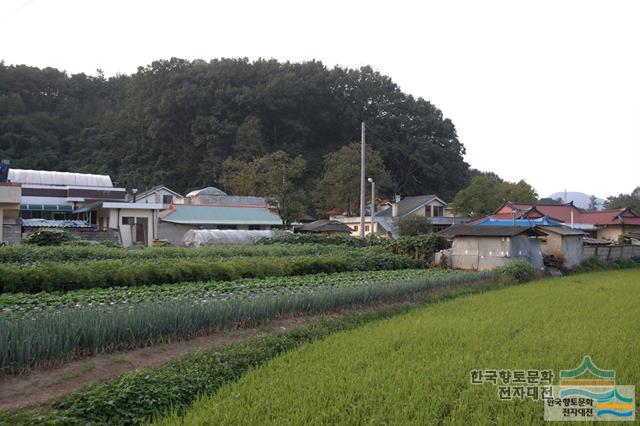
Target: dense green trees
340, 184
175, 122
624, 200
486, 192
276, 176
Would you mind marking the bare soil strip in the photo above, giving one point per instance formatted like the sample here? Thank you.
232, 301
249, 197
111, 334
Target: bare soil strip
41, 385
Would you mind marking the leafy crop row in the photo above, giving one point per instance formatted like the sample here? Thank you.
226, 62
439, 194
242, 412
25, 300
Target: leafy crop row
30, 339
25, 303
135, 397
55, 276
29, 254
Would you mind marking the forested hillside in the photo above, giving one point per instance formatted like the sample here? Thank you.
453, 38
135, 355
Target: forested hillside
176, 121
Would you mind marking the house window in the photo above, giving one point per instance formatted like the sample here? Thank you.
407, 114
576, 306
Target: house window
167, 199
227, 226
438, 211
254, 227
355, 228
128, 220
366, 228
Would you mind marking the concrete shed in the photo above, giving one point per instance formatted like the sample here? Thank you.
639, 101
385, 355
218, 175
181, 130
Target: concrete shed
484, 248
563, 243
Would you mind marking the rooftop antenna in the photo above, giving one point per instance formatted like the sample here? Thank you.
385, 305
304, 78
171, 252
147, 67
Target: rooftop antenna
564, 200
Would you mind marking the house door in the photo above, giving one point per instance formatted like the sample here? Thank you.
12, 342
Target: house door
141, 230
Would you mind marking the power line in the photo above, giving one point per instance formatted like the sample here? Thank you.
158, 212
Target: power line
15, 11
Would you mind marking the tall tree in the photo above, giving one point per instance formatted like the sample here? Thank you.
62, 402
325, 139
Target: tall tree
486, 193
621, 201
276, 176
593, 204
340, 183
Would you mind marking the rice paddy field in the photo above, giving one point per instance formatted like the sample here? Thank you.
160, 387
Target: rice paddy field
415, 368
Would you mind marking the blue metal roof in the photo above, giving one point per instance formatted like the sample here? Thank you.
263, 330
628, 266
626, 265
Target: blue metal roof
193, 214
543, 221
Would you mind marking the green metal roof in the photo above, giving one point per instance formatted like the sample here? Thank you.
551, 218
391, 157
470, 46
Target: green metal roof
190, 214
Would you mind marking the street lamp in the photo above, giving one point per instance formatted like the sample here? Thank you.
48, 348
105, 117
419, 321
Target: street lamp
373, 204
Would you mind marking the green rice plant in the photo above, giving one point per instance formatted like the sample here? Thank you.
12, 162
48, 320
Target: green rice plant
415, 368
48, 336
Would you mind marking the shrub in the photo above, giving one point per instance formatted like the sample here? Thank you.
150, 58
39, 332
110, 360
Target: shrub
595, 263
421, 247
413, 225
49, 237
519, 271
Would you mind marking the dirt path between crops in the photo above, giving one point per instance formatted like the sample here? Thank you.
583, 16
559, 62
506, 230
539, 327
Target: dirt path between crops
36, 388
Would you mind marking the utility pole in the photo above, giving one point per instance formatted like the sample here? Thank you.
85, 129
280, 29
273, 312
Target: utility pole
373, 206
362, 183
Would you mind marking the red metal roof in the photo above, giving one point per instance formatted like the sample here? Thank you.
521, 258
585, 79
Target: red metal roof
562, 213
611, 217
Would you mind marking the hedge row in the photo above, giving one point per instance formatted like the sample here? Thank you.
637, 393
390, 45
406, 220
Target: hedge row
136, 397
52, 276
29, 254
38, 337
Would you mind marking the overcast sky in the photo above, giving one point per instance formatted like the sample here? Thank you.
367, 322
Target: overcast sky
546, 91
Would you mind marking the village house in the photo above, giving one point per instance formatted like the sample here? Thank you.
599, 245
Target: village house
603, 225
157, 195
431, 207
87, 205
212, 208
482, 248
559, 241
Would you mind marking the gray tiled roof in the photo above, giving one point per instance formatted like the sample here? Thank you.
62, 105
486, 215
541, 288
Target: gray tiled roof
488, 231
408, 204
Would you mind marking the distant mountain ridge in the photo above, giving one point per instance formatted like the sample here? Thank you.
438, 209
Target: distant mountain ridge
580, 199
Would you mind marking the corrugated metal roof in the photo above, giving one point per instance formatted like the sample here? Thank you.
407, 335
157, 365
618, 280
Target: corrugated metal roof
492, 221
45, 223
561, 230
193, 214
45, 177
489, 231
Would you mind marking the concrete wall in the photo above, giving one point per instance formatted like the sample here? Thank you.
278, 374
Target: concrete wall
611, 252
612, 232
487, 253
173, 232
567, 247
11, 233
572, 248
